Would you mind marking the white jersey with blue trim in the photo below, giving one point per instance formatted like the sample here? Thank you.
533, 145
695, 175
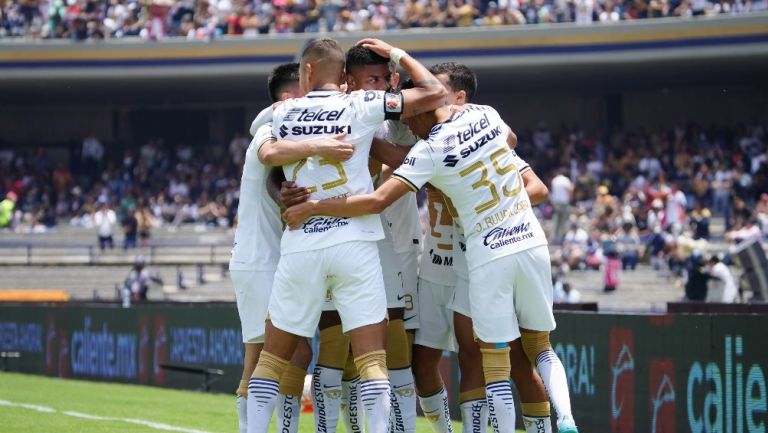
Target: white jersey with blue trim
328, 113
402, 216
257, 236
468, 159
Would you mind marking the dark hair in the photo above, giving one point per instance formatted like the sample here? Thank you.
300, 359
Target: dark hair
323, 49
280, 77
460, 77
359, 56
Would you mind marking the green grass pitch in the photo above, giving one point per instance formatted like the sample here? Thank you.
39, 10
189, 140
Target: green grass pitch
93, 407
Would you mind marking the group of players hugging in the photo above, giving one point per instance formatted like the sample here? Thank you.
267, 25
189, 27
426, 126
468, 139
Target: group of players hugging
329, 236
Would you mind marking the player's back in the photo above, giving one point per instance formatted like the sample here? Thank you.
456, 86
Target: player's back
328, 113
476, 169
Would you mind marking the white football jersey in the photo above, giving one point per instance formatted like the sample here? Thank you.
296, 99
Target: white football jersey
468, 159
329, 113
436, 264
460, 242
257, 237
402, 216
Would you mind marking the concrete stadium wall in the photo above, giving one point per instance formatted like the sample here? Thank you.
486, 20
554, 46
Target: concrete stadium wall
626, 373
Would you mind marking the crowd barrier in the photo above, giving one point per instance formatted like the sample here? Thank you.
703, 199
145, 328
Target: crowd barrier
626, 373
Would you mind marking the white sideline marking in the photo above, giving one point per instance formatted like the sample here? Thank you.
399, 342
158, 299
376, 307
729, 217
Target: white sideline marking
154, 425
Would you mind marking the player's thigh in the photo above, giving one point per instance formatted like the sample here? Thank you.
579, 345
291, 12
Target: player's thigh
533, 290
460, 301
390, 268
357, 286
298, 292
252, 292
436, 330
492, 301
409, 266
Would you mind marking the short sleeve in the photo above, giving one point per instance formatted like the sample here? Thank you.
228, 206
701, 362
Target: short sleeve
262, 134
418, 167
520, 163
265, 116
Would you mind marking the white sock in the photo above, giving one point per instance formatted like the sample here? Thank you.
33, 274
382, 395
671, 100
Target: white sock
474, 416
552, 373
375, 395
435, 408
288, 409
352, 413
242, 414
501, 406
403, 400
535, 424
326, 397
262, 397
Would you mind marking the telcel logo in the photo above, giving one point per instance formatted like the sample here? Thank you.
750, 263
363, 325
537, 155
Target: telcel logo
727, 403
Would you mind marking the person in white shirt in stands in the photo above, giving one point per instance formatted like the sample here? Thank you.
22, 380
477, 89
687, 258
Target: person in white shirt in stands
316, 257
722, 288
105, 220
560, 193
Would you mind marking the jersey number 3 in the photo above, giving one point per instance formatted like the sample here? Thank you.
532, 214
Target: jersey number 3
484, 181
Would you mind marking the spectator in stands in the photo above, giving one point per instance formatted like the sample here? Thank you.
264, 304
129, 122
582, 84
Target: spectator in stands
560, 194
566, 294
6, 209
722, 286
105, 220
628, 245
130, 228
144, 223
138, 280
697, 277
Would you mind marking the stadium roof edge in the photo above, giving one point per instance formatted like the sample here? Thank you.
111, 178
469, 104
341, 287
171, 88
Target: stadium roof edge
490, 48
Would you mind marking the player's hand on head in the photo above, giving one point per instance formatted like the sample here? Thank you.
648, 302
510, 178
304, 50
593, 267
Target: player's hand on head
377, 46
295, 215
291, 194
335, 148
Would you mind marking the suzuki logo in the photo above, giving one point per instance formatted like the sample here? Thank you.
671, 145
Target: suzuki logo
283, 131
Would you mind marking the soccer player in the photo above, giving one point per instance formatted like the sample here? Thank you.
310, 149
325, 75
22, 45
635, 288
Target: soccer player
464, 153
256, 252
316, 258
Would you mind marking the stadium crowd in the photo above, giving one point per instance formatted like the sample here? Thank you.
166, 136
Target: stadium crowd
627, 193
205, 19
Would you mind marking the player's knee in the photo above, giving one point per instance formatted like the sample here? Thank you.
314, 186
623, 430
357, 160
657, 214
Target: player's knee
270, 367
398, 355
334, 347
292, 381
535, 342
302, 356
372, 365
495, 362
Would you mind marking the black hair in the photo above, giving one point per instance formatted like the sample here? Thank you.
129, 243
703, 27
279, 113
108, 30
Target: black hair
460, 77
280, 77
359, 56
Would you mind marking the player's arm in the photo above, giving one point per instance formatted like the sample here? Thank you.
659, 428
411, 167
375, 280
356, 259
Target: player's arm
354, 206
536, 189
264, 117
428, 93
388, 153
276, 153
